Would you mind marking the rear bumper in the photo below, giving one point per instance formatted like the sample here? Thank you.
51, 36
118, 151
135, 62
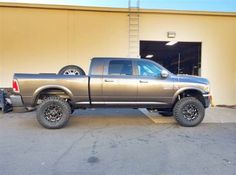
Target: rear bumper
18, 104
207, 100
16, 101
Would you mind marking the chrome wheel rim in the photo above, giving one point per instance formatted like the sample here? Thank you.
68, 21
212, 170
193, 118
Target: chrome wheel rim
190, 112
71, 72
53, 113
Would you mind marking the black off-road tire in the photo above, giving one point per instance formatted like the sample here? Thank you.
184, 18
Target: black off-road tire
59, 109
71, 70
180, 115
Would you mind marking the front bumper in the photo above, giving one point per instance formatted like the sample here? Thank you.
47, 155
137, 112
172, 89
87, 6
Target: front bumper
207, 100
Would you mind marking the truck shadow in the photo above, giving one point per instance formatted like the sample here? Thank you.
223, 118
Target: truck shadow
92, 118
110, 116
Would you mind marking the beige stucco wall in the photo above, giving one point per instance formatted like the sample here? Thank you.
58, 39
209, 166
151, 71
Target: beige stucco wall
37, 40
218, 37
44, 40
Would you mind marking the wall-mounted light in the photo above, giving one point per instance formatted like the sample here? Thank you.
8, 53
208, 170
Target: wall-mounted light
171, 34
149, 56
171, 43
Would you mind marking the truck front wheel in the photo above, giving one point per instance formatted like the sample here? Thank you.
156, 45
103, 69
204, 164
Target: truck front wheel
189, 111
53, 113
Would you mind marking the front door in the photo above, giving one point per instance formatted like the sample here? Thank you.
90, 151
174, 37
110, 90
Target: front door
152, 88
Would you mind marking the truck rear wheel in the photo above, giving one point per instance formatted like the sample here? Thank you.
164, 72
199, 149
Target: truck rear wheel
189, 111
71, 70
53, 113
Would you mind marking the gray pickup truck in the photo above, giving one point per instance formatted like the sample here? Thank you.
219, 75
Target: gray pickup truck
112, 82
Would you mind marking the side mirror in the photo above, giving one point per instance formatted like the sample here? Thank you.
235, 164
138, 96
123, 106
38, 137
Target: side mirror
164, 74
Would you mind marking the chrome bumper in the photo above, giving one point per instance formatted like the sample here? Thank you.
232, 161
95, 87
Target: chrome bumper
16, 101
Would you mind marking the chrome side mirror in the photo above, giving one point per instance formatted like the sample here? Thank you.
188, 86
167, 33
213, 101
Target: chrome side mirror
164, 74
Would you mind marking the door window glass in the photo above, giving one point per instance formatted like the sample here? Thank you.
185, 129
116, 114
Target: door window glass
120, 67
148, 69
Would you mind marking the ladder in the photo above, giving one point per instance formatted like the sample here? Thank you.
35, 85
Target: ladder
133, 28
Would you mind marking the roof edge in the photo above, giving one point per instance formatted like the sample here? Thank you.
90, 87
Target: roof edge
114, 10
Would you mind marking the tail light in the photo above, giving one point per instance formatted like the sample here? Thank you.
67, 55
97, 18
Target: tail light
15, 86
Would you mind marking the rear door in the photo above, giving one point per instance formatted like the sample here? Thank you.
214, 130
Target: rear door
119, 82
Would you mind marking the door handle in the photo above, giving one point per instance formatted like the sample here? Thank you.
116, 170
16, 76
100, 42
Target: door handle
109, 80
143, 81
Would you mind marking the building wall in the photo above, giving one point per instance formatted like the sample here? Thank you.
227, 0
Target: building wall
218, 37
44, 40
37, 40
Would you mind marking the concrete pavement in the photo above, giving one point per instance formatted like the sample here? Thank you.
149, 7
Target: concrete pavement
213, 115
117, 142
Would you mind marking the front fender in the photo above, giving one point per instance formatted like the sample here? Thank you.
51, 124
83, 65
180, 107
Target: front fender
181, 90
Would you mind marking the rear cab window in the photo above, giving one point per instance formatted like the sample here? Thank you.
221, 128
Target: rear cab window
97, 67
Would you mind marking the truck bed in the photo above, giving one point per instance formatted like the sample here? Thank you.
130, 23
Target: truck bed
31, 85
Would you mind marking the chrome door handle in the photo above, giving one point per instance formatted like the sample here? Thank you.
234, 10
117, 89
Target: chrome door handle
143, 81
109, 80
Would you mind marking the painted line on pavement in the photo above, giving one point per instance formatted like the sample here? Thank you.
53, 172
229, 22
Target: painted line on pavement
156, 117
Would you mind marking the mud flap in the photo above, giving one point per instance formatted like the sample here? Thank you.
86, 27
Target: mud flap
5, 103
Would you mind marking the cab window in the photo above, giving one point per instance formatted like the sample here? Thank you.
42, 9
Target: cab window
146, 68
120, 67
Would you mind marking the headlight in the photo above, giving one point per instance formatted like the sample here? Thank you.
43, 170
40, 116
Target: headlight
207, 88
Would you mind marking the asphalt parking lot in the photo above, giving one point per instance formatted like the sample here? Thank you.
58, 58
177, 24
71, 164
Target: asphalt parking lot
118, 142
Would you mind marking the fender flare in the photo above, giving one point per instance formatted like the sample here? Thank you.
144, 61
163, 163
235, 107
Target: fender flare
181, 90
42, 88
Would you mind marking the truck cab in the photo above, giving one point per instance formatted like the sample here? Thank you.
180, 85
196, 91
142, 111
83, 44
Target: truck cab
130, 83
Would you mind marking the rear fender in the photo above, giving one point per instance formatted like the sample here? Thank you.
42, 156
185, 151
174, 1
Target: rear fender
40, 89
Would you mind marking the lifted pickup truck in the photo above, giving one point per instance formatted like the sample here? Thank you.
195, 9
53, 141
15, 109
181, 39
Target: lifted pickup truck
112, 82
